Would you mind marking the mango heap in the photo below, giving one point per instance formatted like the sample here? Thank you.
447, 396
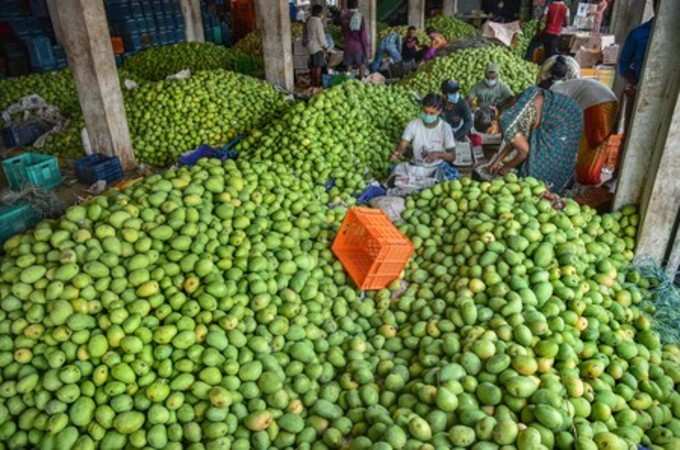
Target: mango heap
468, 67
157, 63
423, 38
529, 30
56, 88
168, 118
346, 133
251, 43
202, 309
453, 29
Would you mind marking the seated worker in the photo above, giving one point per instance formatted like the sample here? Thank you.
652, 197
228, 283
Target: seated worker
390, 46
542, 130
437, 42
409, 48
456, 110
491, 91
431, 140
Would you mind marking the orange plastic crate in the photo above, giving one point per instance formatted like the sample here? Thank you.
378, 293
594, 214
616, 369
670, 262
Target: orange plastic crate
371, 249
118, 46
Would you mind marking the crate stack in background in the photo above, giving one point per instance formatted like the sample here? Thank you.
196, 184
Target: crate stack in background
144, 24
27, 41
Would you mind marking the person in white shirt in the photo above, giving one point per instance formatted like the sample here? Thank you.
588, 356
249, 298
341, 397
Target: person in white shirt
315, 41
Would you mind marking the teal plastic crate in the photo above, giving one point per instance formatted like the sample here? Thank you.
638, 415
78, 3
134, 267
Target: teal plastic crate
16, 219
33, 169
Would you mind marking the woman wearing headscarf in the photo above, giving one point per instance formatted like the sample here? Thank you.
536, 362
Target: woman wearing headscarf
541, 133
355, 38
558, 68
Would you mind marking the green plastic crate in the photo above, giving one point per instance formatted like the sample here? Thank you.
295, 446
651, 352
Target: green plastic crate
33, 169
16, 219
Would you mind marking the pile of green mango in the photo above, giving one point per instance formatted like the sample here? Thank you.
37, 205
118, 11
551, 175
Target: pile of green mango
168, 118
453, 29
529, 30
202, 308
251, 43
468, 67
56, 88
423, 38
345, 134
157, 63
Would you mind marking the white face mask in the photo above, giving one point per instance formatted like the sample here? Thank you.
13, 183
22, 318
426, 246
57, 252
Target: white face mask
491, 83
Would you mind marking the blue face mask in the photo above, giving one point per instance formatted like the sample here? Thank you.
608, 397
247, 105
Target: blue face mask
453, 98
429, 119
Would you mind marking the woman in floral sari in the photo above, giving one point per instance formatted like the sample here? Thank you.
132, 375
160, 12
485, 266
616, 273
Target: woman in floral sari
541, 134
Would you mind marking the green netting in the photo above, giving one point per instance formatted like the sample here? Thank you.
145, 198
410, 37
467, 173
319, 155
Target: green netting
664, 299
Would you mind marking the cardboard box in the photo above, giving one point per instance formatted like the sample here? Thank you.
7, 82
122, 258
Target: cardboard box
601, 41
588, 57
610, 54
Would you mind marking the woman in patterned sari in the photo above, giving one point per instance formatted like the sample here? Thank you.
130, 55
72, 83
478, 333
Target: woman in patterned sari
541, 133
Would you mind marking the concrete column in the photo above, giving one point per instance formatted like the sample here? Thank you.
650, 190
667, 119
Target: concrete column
87, 41
651, 158
652, 108
193, 21
273, 19
660, 204
369, 9
416, 13
54, 17
450, 8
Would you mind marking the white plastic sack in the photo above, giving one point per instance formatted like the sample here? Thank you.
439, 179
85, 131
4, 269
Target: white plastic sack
503, 32
33, 108
408, 178
392, 206
181, 75
374, 78
130, 85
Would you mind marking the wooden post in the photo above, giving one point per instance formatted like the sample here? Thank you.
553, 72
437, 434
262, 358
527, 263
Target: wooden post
450, 8
273, 19
85, 35
651, 159
653, 106
369, 9
416, 13
193, 20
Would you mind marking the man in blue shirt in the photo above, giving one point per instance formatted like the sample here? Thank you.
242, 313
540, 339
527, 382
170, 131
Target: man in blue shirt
634, 50
632, 56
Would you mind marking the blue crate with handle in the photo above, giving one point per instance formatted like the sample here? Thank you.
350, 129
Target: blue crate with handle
32, 169
16, 219
20, 135
93, 168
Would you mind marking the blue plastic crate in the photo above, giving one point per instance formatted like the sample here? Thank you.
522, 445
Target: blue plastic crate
16, 219
126, 25
137, 41
41, 52
33, 169
93, 168
19, 136
118, 9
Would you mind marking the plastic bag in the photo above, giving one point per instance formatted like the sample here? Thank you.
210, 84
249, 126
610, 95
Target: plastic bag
181, 75
392, 206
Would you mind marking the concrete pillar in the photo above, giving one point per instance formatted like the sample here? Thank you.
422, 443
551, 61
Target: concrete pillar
54, 17
660, 204
273, 19
651, 157
416, 13
450, 8
193, 21
86, 38
626, 15
369, 9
